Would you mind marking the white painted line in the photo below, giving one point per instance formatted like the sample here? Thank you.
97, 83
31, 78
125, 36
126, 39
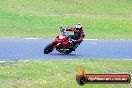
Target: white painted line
83, 39
32, 38
107, 39
91, 39
15, 61
69, 59
65, 59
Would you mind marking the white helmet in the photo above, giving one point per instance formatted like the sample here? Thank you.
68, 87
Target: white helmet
78, 26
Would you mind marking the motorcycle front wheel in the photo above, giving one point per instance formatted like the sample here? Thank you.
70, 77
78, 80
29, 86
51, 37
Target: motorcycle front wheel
49, 48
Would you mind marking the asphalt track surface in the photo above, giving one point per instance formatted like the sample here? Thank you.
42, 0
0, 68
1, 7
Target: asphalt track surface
27, 49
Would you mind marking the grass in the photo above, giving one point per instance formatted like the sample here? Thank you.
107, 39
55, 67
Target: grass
58, 73
103, 19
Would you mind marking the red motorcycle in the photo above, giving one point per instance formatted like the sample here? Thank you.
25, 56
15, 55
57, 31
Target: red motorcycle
62, 43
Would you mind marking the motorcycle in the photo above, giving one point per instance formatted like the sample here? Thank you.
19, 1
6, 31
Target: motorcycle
62, 43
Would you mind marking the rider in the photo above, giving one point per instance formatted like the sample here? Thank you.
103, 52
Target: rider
78, 36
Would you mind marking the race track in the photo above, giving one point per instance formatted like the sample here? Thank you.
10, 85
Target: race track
26, 49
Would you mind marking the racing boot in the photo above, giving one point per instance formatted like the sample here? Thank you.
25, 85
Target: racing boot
75, 46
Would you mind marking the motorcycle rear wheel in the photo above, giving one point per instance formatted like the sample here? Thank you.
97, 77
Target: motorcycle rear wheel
68, 51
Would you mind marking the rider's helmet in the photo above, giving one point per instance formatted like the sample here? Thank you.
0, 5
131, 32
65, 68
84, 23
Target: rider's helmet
78, 26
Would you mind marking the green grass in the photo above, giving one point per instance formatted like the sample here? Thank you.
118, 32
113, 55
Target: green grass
103, 19
55, 7
59, 73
